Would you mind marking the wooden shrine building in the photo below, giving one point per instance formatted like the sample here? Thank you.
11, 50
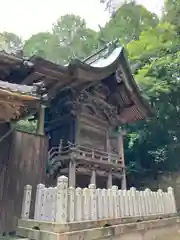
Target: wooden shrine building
87, 101
85, 115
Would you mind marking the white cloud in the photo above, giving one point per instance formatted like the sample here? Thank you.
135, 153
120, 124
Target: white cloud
29, 17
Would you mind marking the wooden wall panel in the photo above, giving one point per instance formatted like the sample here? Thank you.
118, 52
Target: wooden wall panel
25, 164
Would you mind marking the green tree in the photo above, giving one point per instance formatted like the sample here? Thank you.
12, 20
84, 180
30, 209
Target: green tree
10, 42
152, 146
74, 38
172, 13
128, 22
39, 44
70, 38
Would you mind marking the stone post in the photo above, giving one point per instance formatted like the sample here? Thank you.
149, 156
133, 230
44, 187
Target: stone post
152, 203
71, 204
126, 203
161, 203
134, 196
48, 205
141, 204
148, 201
110, 203
72, 173
121, 203
166, 202
39, 192
78, 206
86, 204
129, 203
156, 203
26, 202
115, 202
172, 200
61, 202
99, 204
104, 197
53, 206
43, 204
93, 202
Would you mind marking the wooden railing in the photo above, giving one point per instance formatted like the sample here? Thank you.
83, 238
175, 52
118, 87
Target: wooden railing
85, 152
97, 154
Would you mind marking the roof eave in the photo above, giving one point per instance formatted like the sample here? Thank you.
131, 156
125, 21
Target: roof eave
129, 81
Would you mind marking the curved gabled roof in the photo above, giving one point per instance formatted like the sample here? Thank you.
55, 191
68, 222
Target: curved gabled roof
102, 65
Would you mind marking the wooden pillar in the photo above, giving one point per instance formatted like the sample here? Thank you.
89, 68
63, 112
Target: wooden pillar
41, 116
121, 155
109, 150
123, 181
72, 173
93, 177
108, 145
109, 180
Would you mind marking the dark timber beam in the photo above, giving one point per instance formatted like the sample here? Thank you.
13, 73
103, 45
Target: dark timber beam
72, 173
109, 180
93, 177
121, 155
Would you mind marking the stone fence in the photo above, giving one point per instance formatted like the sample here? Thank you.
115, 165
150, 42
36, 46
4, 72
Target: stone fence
62, 204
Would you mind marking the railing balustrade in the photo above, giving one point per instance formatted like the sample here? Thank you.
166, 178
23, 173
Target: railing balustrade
62, 204
83, 151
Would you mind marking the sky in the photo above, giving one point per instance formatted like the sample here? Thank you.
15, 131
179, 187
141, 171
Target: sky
26, 18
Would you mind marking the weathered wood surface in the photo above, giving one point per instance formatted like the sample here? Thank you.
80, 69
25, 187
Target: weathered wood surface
22, 161
4, 155
15, 99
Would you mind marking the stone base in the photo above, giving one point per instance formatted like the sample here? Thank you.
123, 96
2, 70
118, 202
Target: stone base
124, 229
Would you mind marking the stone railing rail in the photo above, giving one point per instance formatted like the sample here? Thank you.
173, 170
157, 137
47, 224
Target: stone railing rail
62, 204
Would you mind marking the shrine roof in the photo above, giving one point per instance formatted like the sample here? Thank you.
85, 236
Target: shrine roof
77, 74
17, 100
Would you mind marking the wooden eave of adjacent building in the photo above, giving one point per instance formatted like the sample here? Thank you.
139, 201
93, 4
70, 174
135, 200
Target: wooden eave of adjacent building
79, 75
16, 101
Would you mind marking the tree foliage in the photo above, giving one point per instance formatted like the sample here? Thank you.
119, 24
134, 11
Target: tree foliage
74, 39
10, 42
155, 142
128, 22
70, 38
172, 12
39, 44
